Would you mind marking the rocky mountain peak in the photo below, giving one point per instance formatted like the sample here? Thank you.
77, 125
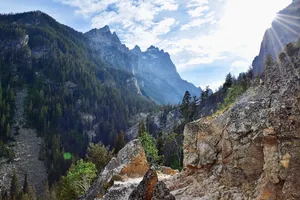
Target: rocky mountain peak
105, 29
104, 34
136, 50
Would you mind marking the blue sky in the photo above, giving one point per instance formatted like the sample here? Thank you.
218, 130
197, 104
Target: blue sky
206, 38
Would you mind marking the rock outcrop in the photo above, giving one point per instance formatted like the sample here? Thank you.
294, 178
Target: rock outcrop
131, 162
161, 192
285, 28
252, 151
145, 189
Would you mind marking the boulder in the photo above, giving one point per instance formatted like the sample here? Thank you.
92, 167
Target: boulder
145, 189
161, 192
130, 162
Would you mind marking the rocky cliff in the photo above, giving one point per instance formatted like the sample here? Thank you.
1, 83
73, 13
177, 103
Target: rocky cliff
252, 150
285, 28
155, 75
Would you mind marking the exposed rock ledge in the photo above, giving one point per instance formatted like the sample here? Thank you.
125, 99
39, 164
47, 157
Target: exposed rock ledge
131, 162
252, 151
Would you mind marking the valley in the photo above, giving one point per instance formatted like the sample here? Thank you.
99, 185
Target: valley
83, 116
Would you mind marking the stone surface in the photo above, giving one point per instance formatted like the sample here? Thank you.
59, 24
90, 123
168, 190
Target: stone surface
252, 151
161, 192
130, 162
145, 189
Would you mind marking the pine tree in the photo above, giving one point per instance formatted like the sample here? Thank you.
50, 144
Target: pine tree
120, 141
141, 128
228, 81
14, 186
26, 185
269, 61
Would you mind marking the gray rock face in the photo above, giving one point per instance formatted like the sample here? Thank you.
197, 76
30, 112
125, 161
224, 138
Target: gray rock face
154, 74
158, 74
285, 28
131, 162
161, 192
159, 122
252, 151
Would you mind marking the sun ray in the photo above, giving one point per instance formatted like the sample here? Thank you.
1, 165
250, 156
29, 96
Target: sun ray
281, 45
287, 27
282, 49
288, 21
288, 16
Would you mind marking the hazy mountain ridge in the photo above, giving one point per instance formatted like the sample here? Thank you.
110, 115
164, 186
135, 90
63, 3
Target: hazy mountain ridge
153, 69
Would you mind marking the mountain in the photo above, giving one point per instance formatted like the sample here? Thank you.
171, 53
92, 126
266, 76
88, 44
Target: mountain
63, 93
158, 77
155, 74
285, 28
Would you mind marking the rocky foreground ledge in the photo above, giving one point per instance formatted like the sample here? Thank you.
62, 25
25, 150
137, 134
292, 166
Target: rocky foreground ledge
128, 176
252, 151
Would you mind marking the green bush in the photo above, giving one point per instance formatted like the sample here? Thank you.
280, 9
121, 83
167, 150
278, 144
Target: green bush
149, 145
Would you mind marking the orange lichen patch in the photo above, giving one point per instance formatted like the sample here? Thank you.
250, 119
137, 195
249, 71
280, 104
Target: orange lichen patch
266, 195
150, 185
168, 171
137, 167
285, 160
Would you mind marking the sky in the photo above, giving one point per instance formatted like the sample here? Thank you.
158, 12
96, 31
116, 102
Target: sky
206, 39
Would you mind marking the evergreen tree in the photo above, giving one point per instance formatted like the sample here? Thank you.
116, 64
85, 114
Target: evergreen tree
141, 128
269, 61
120, 141
228, 81
188, 107
99, 155
14, 186
160, 145
26, 185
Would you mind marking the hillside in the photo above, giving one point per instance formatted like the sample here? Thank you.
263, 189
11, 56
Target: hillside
73, 97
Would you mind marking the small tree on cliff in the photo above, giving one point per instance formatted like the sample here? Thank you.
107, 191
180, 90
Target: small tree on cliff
269, 61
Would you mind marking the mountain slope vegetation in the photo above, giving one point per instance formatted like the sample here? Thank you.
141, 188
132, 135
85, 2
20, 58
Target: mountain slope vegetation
70, 91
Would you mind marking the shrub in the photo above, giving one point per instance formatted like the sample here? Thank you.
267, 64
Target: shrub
149, 145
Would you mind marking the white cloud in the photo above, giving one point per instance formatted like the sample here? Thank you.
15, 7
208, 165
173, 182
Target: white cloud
198, 11
196, 3
133, 20
196, 23
209, 30
239, 66
213, 85
163, 26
